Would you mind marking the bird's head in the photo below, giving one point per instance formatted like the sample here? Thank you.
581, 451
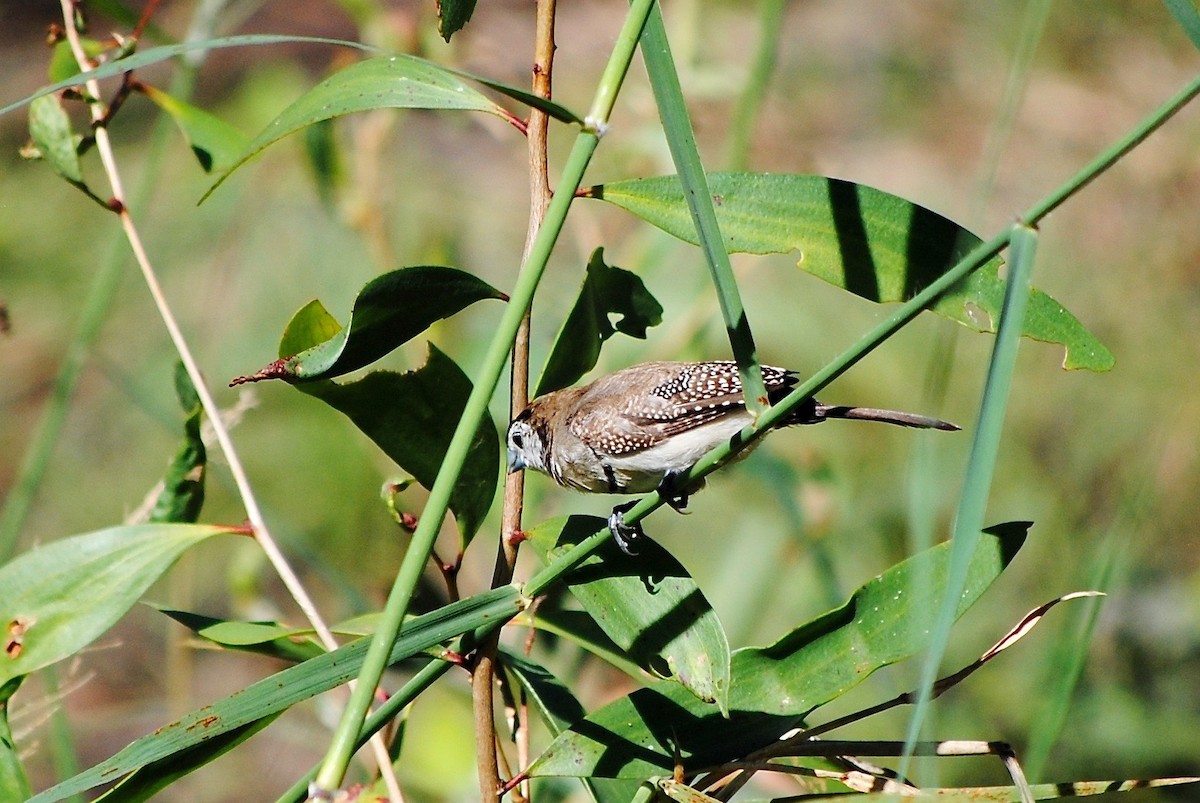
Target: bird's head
527, 446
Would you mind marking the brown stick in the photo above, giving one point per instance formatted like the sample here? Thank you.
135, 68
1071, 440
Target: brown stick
484, 671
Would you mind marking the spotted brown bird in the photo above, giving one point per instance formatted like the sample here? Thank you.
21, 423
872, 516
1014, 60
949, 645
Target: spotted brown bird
635, 430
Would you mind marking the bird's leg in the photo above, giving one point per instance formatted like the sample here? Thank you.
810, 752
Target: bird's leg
625, 534
671, 492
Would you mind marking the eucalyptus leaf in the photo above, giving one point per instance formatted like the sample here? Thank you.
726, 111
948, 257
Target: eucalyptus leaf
650, 607
876, 245
385, 82
61, 596
888, 619
264, 638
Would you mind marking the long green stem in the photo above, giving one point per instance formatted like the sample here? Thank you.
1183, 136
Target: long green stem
681, 140
333, 769
981, 465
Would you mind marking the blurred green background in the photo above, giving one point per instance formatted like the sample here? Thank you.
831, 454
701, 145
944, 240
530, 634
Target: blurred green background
904, 97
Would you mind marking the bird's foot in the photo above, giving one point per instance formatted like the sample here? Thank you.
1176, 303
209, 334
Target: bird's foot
626, 535
671, 492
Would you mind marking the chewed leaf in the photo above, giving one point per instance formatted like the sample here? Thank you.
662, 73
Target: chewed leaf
389, 311
874, 244
607, 290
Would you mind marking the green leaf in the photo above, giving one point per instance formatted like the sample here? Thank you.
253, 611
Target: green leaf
876, 245
385, 82
650, 607
559, 709
61, 596
264, 638
147, 781
324, 159
886, 620
284, 689
390, 310
310, 326
215, 142
606, 291
62, 61
453, 15
14, 784
154, 55
551, 698
412, 417
56, 142
182, 495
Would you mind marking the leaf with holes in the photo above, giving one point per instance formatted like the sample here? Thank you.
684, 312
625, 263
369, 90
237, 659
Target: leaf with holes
607, 290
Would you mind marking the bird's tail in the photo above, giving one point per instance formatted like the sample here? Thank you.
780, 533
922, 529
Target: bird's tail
822, 412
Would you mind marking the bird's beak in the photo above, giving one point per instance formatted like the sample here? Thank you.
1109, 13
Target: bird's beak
515, 462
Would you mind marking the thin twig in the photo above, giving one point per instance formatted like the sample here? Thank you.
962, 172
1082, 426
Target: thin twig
253, 512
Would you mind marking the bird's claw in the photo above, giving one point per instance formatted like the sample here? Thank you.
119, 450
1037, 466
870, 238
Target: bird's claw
625, 534
670, 492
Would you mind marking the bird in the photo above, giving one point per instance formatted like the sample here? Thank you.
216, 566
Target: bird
640, 428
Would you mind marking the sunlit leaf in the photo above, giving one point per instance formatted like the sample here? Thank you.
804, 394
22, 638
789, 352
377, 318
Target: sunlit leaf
215, 143
650, 607
385, 82
59, 597
147, 781
876, 245
264, 638
886, 620
606, 291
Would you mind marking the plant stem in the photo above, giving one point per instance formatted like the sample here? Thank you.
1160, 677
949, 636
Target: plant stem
337, 758
262, 533
681, 140
483, 673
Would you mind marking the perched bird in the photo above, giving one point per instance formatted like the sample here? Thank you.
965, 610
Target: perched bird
636, 430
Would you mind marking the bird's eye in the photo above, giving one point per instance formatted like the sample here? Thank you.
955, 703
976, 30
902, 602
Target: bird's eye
518, 441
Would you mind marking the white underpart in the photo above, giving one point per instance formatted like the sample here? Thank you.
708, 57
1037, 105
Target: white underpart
643, 470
